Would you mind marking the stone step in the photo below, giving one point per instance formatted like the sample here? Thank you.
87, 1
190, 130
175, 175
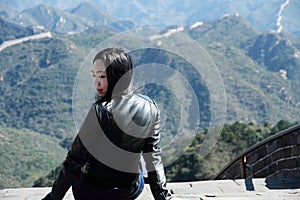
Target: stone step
250, 189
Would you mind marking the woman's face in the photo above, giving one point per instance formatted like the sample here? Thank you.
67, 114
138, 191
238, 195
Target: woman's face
100, 77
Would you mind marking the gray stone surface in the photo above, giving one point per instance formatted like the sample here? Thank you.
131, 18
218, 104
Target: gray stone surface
250, 189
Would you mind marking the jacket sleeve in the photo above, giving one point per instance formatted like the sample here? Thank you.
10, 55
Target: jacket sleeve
70, 172
154, 165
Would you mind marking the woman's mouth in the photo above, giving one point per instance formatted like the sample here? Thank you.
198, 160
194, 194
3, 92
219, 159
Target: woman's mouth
100, 92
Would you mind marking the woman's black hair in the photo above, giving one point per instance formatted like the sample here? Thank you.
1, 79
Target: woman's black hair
119, 66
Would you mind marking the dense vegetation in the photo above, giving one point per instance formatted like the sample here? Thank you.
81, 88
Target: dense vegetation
10, 31
37, 86
25, 156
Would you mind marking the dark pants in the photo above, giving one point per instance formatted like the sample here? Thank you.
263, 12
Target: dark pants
90, 192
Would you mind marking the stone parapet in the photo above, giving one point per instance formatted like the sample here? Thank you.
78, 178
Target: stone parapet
277, 156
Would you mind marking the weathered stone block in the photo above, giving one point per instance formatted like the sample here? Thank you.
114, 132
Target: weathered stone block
272, 146
272, 168
267, 160
295, 150
261, 173
289, 163
258, 165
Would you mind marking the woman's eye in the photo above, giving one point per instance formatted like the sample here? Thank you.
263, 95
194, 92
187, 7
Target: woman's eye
102, 76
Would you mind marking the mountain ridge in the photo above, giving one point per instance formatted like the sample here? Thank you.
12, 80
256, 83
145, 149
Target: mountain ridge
48, 18
278, 15
76, 20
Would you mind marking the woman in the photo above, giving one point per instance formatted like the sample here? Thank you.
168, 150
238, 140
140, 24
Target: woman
131, 123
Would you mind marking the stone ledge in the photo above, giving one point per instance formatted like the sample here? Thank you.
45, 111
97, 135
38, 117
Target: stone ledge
249, 189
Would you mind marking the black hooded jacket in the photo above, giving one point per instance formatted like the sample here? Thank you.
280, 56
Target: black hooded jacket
113, 118
126, 129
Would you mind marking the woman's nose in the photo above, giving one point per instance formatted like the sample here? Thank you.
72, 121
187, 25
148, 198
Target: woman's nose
97, 81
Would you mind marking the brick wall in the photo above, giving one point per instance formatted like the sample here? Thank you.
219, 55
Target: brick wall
276, 157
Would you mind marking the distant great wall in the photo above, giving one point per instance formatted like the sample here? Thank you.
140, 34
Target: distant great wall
9, 43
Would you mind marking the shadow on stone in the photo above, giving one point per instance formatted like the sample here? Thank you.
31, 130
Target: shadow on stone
287, 183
